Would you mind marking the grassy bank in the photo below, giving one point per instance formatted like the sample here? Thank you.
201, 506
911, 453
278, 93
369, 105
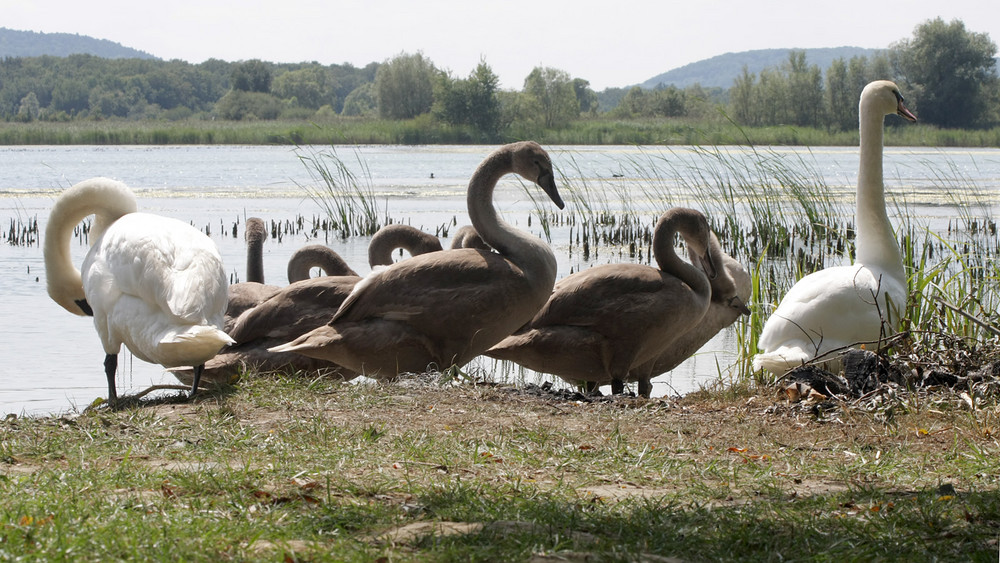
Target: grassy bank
425, 131
311, 470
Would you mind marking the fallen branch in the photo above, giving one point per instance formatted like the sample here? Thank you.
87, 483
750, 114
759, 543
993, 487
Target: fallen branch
982, 324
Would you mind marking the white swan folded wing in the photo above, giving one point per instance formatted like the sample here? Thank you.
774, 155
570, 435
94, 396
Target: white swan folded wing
828, 310
158, 286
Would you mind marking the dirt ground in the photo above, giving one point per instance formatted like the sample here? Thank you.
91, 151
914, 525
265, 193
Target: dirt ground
766, 428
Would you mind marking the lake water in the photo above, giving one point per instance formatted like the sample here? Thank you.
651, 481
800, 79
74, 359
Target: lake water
53, 360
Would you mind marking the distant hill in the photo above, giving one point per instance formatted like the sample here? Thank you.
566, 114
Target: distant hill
720, 71
14, 43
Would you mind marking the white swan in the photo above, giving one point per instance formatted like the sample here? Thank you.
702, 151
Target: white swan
604, 321
845, 305
444, 308
152, 283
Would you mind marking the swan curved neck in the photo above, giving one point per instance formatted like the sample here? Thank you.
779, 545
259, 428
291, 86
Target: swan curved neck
479, 198
316, 256
668, 261
519, 247
876, 242
107, 200
392, 237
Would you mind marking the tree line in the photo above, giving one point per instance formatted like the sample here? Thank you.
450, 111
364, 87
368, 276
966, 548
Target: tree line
947, 72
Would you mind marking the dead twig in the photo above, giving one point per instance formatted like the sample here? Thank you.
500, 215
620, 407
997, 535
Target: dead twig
982, 324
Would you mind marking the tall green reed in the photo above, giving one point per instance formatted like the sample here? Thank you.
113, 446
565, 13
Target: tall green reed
347, 198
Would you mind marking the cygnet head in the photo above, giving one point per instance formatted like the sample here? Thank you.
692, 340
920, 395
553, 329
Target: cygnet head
732, 286
532, 163
693, 226
256, 230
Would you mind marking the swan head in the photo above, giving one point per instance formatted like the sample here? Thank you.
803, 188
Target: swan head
884, 96
693, 226
732, 286
67, 291
531, 162
256, 231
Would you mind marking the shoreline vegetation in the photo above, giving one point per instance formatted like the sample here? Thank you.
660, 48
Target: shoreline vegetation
419, 131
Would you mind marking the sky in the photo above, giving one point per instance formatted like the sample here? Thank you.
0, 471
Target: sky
613, 43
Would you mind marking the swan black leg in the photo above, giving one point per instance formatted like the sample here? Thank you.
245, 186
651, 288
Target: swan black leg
645, 388
617, 386
591, 388
110, 367
197, 380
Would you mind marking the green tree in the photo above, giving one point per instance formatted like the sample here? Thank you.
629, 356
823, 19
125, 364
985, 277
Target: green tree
879, 68
251, 76
633, 103
669, 101
70, 95
741, 96
485, 112
307, 87
804, 95
791, 94
28, 110
950, 73
404, 86
585, 96
663, 101
701, 103
450, 104
239, 105
346, 78
551, 96
360, 102
474, 101
771, 97
107, 103
840, 97
859, 74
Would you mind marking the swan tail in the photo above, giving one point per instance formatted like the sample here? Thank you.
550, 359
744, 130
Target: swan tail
194, 345
507, 348
780, 361
318, 343
199, 333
